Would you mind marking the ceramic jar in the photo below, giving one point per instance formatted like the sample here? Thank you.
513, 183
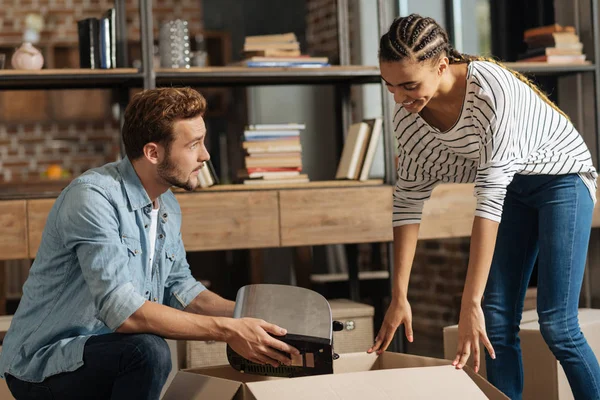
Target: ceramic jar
27, 57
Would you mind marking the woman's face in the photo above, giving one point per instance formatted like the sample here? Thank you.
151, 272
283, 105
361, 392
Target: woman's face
413, 84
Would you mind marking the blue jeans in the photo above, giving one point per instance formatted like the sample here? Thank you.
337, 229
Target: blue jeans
548, 217
116, 366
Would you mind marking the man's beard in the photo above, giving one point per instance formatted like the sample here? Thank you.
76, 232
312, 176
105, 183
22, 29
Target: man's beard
169, 172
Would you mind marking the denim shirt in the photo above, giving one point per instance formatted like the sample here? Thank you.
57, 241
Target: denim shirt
92, 271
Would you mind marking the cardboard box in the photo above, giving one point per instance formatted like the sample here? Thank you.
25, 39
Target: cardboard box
356, 376
451, 342
357, 335
544, 377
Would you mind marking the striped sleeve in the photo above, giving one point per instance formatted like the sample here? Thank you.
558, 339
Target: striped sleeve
498, 155
411, 190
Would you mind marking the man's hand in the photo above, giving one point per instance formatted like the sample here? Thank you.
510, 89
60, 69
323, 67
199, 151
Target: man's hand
250, 338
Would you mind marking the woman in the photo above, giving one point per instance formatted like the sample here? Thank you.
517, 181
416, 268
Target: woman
464, 119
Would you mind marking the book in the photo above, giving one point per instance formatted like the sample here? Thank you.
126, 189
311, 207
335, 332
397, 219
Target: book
283, 64
264, 127
272, 53
105, 46
280, 37
552, 40
111, 15
273, 45
551, 51
353, 152
548, 29
557, 59
376, 127
88, 32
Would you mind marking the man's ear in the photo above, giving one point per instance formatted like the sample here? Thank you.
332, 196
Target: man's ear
152, 152
443, 65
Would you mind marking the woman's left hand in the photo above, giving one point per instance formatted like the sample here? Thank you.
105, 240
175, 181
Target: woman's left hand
471, 330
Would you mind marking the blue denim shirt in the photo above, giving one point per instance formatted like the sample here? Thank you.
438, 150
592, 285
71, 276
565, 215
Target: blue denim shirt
91, 271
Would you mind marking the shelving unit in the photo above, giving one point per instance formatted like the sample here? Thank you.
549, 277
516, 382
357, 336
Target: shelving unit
70, 78
24, 216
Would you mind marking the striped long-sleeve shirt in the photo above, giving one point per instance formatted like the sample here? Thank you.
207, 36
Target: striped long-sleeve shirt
504, 129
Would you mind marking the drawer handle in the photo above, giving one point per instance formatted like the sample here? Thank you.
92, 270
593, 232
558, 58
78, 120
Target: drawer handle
350, 325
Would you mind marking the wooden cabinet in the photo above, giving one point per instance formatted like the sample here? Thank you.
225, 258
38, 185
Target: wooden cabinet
229, 220
37, 213
13, 235
336, 215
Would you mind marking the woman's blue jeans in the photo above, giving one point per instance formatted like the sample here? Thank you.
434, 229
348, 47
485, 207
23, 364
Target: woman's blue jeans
548, 218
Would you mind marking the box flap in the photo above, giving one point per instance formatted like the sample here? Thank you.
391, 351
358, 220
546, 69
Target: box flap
192, 386
358, 362
355, 362
487, 388
390, 360
410, 383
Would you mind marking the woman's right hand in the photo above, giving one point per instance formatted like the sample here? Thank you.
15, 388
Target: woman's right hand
398, 313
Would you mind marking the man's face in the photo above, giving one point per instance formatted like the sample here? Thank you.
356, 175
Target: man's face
186, 156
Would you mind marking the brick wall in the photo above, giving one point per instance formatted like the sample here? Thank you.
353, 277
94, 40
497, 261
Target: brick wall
75, 128
61, 16
322, 30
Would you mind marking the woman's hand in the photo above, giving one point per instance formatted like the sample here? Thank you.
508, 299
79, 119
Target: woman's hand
471, 330
397, 313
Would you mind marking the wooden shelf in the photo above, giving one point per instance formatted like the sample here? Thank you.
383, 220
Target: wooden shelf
271, 186
243, 76
342, 277
70, 78
542, 68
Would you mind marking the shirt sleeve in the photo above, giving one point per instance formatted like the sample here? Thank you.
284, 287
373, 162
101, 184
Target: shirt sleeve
180, 287
411, 190
88, 222
498, 156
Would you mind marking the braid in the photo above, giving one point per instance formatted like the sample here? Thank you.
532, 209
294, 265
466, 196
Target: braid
420, 39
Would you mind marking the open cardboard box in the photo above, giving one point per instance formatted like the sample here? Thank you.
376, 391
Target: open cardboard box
356, 376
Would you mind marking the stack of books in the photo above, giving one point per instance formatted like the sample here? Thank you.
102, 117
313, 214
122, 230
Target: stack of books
100, 42
360, 147
273, 154
281, 50
554, 44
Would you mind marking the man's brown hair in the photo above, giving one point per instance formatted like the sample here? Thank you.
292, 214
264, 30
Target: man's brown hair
150, 116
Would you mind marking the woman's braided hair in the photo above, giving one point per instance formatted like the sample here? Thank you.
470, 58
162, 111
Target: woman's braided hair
421, 38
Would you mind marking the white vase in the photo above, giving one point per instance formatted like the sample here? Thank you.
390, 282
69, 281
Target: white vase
27, 57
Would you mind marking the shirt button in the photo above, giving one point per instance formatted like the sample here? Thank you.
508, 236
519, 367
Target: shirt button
165, 215
155, 299
161, 236
146, 226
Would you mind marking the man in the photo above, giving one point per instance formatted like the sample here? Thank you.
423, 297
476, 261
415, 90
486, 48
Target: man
111, 280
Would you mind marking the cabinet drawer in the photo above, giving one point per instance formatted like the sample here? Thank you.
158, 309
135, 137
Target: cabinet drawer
13, 235
229, 220
348, 215
37, 214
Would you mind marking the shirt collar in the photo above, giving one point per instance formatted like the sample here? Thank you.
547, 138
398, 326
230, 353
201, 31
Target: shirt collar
136, 193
